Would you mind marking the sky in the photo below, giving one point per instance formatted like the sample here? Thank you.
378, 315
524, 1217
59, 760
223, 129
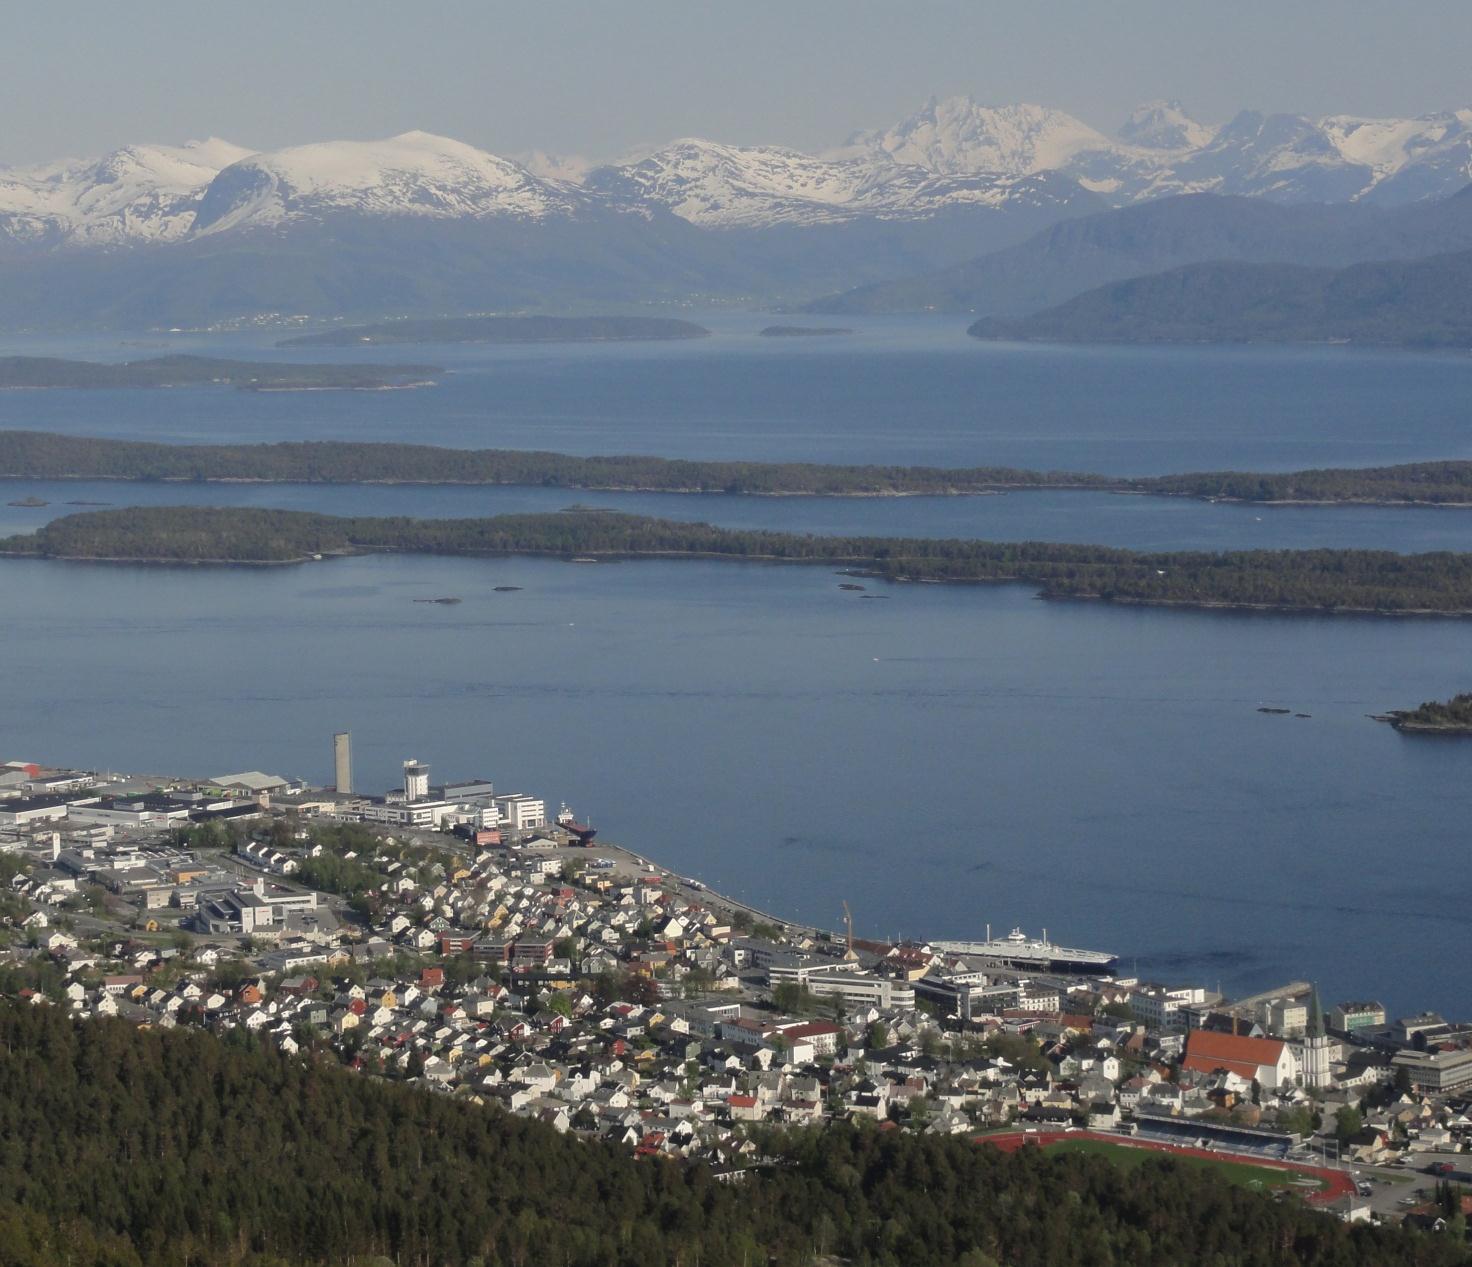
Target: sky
598, 77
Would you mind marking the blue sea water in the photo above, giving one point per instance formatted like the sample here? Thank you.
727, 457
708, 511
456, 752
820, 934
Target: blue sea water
942, 758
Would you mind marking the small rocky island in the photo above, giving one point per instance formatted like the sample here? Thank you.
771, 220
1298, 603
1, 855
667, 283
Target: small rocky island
1435, 717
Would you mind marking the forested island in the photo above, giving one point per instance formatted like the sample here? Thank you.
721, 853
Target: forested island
128, 1146
45, 456
1435, 717
502, 330
195, 371
1347, 581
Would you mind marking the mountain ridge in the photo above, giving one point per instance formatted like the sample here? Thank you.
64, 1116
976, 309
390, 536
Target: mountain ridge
950, 152
1400, 303
1077, 254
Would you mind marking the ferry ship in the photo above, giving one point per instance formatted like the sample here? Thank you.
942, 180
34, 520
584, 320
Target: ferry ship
1021, 953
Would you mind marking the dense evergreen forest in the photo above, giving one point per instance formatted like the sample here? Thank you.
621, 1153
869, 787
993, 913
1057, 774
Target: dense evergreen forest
1452, 716
503, 330
1293, 580
205, 371
42, 455
121, 1147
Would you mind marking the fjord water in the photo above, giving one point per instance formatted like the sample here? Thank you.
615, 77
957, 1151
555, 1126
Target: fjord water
941, 757
914, 390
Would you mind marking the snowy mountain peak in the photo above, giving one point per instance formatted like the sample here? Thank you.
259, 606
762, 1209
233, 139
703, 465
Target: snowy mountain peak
952, 153
139, 193
958, 135
412, 174
751, 186
1164, 125
569, 168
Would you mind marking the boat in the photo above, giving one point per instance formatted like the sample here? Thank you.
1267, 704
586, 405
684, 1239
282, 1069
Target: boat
1022, 953
568, 821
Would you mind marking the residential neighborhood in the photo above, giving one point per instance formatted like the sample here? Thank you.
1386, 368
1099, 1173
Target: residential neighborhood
508, 959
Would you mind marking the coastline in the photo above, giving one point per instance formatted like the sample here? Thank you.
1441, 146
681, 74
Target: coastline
1121, 489
851, 566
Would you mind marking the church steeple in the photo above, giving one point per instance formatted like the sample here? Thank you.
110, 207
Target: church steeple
1315, 1045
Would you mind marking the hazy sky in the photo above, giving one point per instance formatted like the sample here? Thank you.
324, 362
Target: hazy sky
598, 76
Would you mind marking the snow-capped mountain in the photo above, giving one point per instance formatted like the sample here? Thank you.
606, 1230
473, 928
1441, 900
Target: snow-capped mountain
949, 157
732, 186
958, 135
1161, 151
1164, 125
1409, 159
141, 193
415, 174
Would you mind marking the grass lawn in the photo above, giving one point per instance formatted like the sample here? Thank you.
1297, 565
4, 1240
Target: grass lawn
1242, 1173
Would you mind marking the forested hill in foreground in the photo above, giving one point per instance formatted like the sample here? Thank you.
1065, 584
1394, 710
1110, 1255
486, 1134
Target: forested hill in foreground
125, 1147
207, 371
1406, 303
44, 456
1281, 580
503, 330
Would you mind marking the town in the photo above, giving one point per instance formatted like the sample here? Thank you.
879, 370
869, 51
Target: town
461, 939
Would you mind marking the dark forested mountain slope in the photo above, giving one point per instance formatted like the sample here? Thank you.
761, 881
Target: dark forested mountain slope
1408, 303
124, 1147
1077, 255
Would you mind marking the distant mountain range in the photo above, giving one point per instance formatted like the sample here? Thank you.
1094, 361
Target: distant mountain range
210, 231
1415, 303
1082, 253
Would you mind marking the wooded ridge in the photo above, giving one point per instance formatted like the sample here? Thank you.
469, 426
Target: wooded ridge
1284, 580
44, 455
127, 1146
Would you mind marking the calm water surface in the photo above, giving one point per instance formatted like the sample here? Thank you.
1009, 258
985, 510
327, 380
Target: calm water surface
940, 757
1143, 523
898, 390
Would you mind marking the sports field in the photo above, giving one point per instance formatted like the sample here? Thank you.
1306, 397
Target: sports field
1312, 1183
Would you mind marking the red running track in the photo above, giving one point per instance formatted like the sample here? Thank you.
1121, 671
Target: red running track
1338, 1184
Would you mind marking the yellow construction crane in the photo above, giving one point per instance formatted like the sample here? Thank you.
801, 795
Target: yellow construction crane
849, 955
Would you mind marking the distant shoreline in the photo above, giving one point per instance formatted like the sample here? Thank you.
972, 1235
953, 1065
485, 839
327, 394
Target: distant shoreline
40, 456
163, 373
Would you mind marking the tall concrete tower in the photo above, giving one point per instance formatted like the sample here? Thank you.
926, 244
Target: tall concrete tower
416, 781
342, 761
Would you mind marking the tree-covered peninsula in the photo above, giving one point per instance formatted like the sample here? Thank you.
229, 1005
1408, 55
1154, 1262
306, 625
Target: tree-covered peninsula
1370, 581
1435, 717
204, 371
175, 1148
41, 455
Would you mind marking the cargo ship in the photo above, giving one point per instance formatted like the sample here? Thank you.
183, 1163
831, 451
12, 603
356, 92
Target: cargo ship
584, 832
1021, 953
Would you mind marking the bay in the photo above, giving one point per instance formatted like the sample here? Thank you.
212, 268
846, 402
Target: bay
907, 390
942, 758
